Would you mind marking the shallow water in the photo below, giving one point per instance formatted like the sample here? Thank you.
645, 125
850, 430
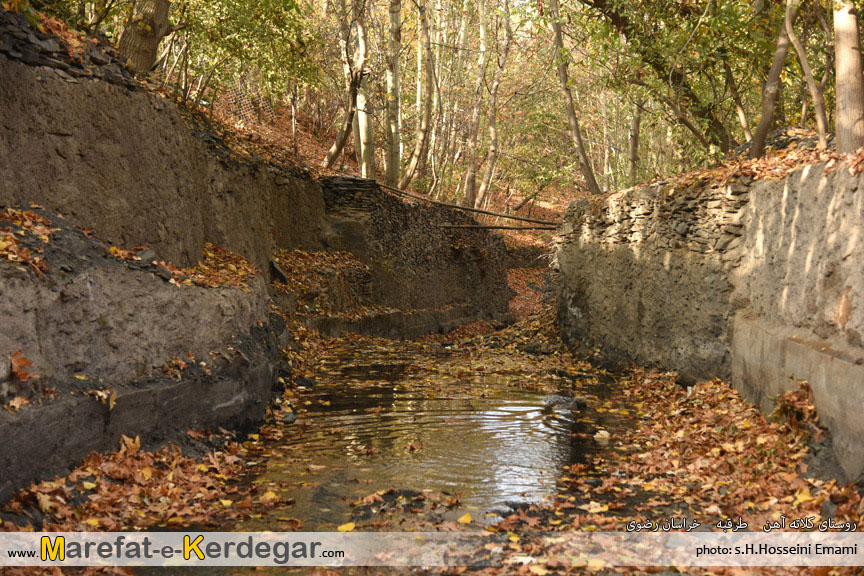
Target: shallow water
372, 427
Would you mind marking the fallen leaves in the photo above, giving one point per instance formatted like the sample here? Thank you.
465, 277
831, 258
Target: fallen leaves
527, 283
135, 489
218, 268
17, 403
106, 396
19, 367
23, 224
316, 279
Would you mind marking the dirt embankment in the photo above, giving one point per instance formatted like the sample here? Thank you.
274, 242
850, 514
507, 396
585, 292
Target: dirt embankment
97, 343
121, 160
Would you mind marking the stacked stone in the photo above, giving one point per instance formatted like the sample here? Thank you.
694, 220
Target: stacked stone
702, 218
346, 195
96, 59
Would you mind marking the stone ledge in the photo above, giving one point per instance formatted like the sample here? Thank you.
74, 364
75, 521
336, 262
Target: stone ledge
397, 324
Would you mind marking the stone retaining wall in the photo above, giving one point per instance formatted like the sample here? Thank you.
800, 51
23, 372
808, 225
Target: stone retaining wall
757, 282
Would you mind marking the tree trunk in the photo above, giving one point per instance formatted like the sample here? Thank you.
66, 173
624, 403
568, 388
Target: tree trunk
470, 188
364, 111
772, 84
142, 33
394, 121
492, 157
815, 91
736, 97
635, 129
850, 78
572, 119
422, 137
355, 76
365, 129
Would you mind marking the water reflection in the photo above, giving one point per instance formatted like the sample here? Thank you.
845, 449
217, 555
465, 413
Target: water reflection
489, 442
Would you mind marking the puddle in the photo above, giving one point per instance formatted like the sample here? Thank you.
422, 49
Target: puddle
372, 427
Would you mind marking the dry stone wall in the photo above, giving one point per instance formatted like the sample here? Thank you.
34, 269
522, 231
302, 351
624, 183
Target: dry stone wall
757, 282
416, 261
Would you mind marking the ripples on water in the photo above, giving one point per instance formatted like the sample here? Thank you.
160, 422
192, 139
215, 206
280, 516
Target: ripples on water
377, 427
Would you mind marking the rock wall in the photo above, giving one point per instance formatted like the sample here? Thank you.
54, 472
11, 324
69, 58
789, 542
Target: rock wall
123, 162
416, 260
757, 282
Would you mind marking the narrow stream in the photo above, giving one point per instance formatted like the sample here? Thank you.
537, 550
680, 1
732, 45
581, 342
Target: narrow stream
371, 426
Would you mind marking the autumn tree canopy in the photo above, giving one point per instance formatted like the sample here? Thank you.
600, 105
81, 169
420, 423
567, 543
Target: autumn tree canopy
478, 100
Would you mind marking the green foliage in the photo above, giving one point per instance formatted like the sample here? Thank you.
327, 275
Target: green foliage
269, 38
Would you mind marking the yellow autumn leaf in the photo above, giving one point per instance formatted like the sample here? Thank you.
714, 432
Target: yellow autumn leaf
349, 527
88, 485
45, 503
466, 519
538, 570
226, 503
802, 496
595, 507
92, 522
146, 473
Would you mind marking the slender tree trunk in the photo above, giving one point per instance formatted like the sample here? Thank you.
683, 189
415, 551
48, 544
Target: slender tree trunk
815, 92
366, 131
850, 78
101, 8
422, 137
394, 120
144, 29
450, 107
736, 97
492, 157
572, 119
355, 76
635, 130
470, 187
364, 105
772, 85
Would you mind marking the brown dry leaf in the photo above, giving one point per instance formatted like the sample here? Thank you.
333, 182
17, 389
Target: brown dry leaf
19, 363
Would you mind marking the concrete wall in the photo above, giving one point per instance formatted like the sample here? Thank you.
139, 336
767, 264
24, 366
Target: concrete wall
757, 282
